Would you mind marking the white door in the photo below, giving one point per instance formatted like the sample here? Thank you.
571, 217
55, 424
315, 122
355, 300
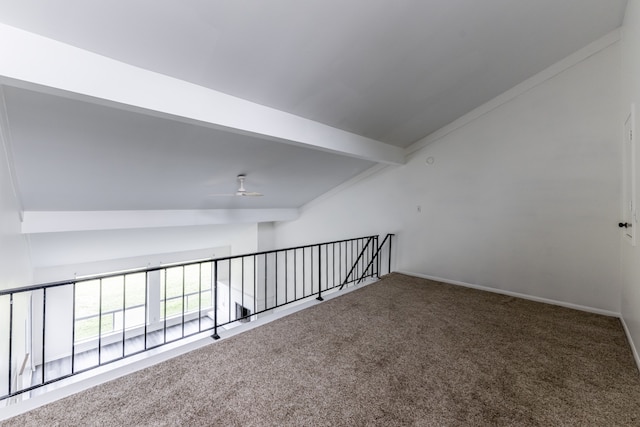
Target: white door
628, 221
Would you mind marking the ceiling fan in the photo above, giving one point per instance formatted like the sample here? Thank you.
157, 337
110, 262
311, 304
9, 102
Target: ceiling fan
242, 192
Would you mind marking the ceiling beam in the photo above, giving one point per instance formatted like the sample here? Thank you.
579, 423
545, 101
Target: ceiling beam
56, 222
38, 63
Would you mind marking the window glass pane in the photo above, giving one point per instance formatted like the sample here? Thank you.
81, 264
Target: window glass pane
173, 287
191, 278
112, 293
87, 309
87, 298
135, 291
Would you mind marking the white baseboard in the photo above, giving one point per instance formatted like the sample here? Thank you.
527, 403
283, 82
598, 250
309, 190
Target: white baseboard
516, 294
634, 350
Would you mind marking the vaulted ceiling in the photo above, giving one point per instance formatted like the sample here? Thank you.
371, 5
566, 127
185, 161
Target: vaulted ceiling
361, 72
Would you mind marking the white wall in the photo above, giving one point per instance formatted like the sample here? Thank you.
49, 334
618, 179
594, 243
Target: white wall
631, 94
266, 236
522, 198
15, 264
60, 256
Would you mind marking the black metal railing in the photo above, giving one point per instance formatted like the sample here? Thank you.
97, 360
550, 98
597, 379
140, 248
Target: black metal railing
53, 331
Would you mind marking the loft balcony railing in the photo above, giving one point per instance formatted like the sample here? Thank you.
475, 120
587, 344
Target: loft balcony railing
54, 331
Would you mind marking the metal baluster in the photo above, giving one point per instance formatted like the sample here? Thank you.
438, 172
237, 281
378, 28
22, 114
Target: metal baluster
100, 325
311, 270
199, 297
365, 261
124, 313
338, 263
359, 262
370, 264
146, 307
390, 239
242, 284
44, 330
326, 265
164, 327
368, 257
320, 274
378, 258
215, 301
352, 253
183, 277
333, 263
73, 331
11, 341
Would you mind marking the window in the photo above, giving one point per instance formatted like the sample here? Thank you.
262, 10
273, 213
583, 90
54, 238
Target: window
108, 306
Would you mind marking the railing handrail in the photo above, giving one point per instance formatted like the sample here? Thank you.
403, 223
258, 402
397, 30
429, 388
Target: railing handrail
162, 267
305, 271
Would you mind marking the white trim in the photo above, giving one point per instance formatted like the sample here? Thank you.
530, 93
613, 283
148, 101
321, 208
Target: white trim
630, 180
552, 71
516, 294
634, 350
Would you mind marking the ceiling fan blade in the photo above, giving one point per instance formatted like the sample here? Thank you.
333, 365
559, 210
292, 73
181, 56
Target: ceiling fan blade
242, 192
238, 194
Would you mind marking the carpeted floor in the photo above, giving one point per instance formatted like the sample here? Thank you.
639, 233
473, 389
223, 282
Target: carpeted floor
402, 351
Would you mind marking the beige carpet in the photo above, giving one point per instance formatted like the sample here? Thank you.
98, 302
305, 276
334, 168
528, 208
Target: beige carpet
403, 351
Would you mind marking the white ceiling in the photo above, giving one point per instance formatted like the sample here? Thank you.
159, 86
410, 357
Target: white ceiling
73, 155
390, 70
